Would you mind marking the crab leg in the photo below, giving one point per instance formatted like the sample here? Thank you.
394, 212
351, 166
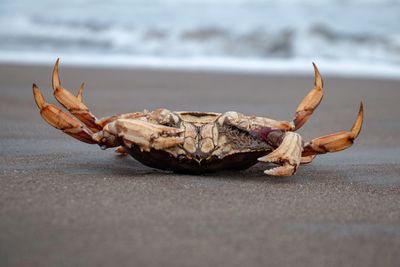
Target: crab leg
303, 112
288, 155
310, 102
252, 123
307, 159
61, 120
144, 134
121, 151
73, 103
161, 116
336, 141
134, 115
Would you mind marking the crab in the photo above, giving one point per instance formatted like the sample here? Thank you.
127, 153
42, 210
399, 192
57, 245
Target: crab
197, 142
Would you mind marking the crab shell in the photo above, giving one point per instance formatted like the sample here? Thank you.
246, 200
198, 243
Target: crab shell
208, 145
198, 142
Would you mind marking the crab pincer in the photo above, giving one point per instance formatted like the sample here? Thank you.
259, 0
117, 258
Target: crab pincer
287, 155
61, 120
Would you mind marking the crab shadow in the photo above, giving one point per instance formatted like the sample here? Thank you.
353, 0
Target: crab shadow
126, 167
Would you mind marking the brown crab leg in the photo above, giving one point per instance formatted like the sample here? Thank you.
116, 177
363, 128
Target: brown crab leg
336, 141
310, 102
73, 103
303, 112
61, 120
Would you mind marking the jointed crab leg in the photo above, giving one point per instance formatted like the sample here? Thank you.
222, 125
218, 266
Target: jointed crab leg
252, 123
335, 142
61, 120
310, 102
73, 103
303, 112
144, 134
290, 153
134, 115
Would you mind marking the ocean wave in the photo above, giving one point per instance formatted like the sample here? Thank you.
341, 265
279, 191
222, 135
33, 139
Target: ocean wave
340, 30
316, 39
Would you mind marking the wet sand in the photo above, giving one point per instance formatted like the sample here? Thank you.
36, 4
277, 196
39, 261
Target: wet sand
65, 203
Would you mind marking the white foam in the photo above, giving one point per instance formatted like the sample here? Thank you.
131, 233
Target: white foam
215, 64
360, 38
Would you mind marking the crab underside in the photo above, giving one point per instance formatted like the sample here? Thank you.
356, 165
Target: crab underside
198, 142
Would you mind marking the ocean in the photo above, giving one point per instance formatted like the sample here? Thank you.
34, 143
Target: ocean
345, 37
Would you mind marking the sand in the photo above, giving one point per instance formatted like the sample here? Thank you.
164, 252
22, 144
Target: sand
65, 203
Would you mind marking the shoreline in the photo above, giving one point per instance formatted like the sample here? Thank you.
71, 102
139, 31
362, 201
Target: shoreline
340, 69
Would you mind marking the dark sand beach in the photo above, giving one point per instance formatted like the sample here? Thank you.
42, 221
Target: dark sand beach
66, 203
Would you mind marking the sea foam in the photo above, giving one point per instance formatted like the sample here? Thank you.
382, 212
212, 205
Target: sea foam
353, 37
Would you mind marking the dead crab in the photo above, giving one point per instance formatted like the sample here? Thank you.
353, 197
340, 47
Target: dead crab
198, 142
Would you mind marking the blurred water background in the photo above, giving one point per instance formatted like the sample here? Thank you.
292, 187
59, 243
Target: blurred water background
347, 36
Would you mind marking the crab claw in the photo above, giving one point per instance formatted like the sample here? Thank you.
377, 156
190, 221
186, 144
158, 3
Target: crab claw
61, 120
336, 141
288, 155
